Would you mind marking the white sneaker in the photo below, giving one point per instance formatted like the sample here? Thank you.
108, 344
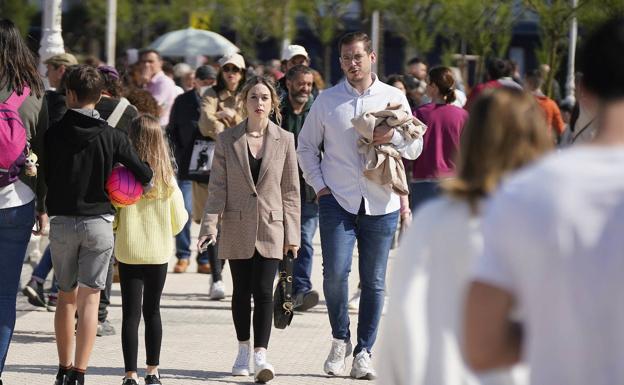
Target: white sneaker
362, 368
336, 361
264, 371
217, 290
354, 302
241, 365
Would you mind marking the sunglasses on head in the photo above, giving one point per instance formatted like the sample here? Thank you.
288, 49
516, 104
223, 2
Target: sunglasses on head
231, 69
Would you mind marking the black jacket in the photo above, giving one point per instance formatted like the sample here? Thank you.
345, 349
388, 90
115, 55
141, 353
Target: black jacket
182, 130
80, 154
56, 105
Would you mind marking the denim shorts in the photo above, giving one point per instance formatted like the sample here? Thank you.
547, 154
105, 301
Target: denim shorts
81, 250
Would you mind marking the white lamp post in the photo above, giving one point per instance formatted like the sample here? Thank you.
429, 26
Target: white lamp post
51, 39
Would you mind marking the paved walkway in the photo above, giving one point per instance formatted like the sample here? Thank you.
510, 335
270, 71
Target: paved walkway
199, 343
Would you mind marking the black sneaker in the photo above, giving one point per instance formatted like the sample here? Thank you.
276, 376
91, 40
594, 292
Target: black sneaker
152, 379
34, 291
306, 301
129, 381
105, 329
59, 380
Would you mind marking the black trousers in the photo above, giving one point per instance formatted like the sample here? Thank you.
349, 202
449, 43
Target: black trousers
105, 294
216, 264
255, 277
141, 288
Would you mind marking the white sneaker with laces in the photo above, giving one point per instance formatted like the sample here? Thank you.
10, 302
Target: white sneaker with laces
336, 362
217, 290
362, 368
241, 365
264, 371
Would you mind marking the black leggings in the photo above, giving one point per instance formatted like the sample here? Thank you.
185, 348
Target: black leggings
133, 280
253, 277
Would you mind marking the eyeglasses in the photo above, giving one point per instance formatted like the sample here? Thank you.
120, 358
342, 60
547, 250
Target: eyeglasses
349, 58
231, 69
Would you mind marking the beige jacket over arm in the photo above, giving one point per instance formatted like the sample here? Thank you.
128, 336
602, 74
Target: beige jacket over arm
265, 216
211, 103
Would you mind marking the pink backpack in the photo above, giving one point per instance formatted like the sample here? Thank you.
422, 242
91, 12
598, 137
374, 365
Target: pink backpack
13, 143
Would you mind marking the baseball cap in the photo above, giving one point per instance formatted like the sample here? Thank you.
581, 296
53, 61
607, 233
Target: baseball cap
205, 72
294, 50
234, 59
62, 59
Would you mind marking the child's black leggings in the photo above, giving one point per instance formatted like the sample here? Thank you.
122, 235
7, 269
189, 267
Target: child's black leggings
255, 277
141, 283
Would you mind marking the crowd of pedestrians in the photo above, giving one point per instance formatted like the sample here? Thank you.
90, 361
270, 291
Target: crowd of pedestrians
509, 258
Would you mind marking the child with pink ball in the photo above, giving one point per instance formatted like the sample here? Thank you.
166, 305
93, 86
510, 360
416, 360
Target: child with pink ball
144, 241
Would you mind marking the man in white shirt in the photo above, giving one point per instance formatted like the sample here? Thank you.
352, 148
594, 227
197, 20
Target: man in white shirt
162, 87
351, 207
553, 248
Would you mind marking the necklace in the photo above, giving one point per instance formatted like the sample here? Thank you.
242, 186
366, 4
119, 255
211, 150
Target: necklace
255, 135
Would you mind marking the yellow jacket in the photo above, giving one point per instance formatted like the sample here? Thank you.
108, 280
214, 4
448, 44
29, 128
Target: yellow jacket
145, 230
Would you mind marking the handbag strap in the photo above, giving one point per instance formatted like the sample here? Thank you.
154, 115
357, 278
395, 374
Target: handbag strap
117, 113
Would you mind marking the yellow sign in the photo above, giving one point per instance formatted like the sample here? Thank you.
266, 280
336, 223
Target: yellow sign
200, 20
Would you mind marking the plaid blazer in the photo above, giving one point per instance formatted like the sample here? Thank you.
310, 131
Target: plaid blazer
265, 216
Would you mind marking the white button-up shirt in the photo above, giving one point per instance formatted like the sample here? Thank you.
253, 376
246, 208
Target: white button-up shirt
341, 168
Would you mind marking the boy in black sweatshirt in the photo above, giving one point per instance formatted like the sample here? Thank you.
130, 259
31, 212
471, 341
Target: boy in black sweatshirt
81, 150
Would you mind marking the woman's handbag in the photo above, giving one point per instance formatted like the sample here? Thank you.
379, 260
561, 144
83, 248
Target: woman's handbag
282, 298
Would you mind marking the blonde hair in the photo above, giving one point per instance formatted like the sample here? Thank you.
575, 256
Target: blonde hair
505, 131
148, 140
275, 101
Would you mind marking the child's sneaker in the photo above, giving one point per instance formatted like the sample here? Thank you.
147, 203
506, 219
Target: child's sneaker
152, 379
51, 305
217, 291
129, 381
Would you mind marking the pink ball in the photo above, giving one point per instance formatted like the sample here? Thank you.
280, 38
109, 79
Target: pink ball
123, 188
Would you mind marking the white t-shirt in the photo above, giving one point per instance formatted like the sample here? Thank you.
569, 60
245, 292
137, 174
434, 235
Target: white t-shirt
554, 238
422, 330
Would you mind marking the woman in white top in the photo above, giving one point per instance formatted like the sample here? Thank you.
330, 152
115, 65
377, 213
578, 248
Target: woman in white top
421, 338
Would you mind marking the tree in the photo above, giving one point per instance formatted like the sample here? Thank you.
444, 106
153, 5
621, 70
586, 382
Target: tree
481, 27
554, 20
416, 21
20, 13
324, 18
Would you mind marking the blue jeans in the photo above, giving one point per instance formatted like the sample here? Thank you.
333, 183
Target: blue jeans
183, 239
16, 224
43, 268
302, 269
374, 234
420, 192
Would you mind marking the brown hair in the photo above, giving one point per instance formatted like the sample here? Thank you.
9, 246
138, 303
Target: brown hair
354, 37
505, 131
143, 101
18, 66
86, 81
275, 100
443, 78
148, 140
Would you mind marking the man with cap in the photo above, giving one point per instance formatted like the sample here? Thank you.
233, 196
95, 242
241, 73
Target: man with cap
293, 55
182, 132
162, 87
55, 97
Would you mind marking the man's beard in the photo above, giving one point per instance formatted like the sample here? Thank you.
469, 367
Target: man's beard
301, 97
